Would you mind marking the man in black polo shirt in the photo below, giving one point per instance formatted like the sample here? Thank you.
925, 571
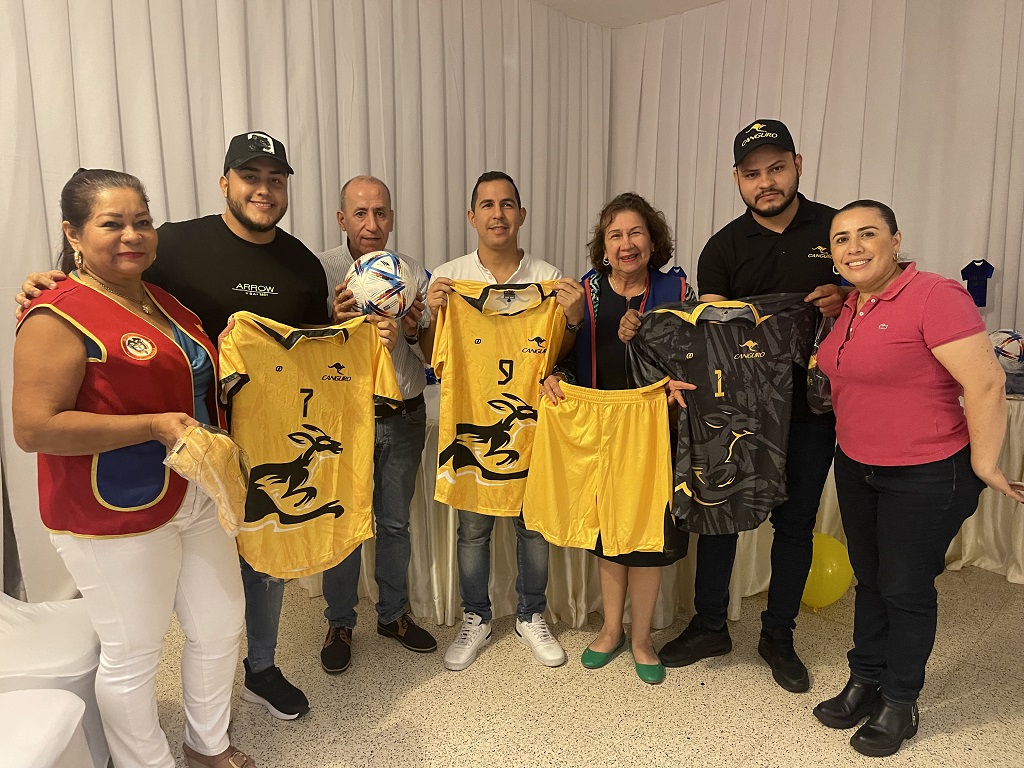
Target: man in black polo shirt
780, 245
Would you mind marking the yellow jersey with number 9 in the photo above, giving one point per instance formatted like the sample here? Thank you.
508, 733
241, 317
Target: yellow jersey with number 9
300, 403
493, 345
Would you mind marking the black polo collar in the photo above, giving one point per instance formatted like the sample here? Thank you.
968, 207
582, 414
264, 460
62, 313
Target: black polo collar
749, 227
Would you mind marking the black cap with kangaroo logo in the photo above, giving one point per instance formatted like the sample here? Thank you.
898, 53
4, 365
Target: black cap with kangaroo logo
759, 133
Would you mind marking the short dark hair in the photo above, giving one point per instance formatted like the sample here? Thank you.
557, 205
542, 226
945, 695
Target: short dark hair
371, 179
78, 198
493, 176
657, 227
883, 210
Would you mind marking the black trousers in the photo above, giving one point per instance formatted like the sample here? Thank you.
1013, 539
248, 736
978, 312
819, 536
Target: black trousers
808, 458
899, 522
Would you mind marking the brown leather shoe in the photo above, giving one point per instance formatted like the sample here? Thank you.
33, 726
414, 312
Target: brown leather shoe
336, 655
409, 634
229, 758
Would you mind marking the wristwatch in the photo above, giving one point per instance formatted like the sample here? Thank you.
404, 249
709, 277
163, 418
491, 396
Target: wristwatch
573, 326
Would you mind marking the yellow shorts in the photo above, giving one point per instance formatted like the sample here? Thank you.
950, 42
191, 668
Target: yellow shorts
601, 464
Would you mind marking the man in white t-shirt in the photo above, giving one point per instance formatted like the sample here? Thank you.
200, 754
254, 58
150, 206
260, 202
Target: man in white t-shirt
496, 213
366, 217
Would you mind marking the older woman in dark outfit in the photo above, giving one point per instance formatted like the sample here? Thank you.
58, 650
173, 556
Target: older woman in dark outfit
910, 461
631, 242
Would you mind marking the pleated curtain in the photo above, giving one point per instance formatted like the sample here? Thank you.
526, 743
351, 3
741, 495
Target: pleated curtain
915, 102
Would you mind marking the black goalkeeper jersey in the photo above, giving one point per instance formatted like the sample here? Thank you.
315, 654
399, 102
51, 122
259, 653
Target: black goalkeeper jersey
730, 467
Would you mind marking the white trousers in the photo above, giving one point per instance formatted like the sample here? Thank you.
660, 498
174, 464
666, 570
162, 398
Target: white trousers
131, 585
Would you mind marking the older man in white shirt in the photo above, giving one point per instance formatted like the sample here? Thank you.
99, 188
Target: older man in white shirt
367, 219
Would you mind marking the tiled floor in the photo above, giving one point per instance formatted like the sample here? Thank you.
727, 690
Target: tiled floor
395, 708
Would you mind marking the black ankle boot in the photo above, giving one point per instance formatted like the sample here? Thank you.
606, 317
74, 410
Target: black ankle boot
884, 732
858, 700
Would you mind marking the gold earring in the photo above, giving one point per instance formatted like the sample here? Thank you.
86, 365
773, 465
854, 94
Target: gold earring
896, 256
78, 259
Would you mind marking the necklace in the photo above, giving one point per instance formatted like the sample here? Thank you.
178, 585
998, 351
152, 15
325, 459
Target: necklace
625, 288
143, 304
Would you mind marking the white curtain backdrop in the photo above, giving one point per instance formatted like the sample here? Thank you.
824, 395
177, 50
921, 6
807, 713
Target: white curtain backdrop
917, 102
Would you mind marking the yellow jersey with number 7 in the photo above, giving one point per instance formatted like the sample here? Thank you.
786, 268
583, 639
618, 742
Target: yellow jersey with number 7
300, 403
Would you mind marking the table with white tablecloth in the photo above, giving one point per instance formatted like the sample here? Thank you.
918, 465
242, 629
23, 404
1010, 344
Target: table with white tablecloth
992, 539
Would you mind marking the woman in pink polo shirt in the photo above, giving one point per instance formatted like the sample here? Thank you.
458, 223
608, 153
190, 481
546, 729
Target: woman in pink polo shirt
910, 461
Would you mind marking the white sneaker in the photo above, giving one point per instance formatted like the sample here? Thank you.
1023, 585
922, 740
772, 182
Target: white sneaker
473, 636
536, 636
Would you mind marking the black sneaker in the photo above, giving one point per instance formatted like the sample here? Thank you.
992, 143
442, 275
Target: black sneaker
694, 643
269, 688
336, 655
787, 669
411, 636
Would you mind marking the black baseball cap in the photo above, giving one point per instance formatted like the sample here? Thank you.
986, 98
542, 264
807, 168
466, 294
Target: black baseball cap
246, 146
758, 134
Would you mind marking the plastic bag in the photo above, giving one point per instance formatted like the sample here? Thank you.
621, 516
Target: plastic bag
208, 457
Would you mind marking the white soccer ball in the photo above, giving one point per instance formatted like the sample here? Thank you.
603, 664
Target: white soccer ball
383, 284
1009, 347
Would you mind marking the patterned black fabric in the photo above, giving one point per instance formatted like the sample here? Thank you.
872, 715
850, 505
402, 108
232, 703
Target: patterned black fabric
730, 466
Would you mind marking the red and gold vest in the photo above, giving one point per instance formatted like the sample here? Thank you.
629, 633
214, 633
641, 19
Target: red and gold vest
131, 368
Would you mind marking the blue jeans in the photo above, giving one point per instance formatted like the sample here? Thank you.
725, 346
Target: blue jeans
398, 448
474, 555
808, 458
899, 522
263, 597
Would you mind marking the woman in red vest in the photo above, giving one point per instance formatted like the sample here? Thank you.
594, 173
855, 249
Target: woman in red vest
108, 373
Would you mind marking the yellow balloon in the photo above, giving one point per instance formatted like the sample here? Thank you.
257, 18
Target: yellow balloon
831, 573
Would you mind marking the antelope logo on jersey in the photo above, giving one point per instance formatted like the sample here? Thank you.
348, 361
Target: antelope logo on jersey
752, 351
285, 489
486, 449
138, 346
539, 343
715, 471
339, 377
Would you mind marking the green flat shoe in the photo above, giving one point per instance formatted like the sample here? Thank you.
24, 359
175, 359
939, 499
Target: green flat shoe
652, 674
596, 659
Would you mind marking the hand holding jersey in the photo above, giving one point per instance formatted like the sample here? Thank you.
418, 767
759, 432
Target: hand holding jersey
827, 298
569, 294
628, 327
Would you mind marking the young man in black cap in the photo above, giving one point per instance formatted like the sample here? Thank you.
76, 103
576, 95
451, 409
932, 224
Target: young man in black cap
241, 260
779, 245
225, 263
